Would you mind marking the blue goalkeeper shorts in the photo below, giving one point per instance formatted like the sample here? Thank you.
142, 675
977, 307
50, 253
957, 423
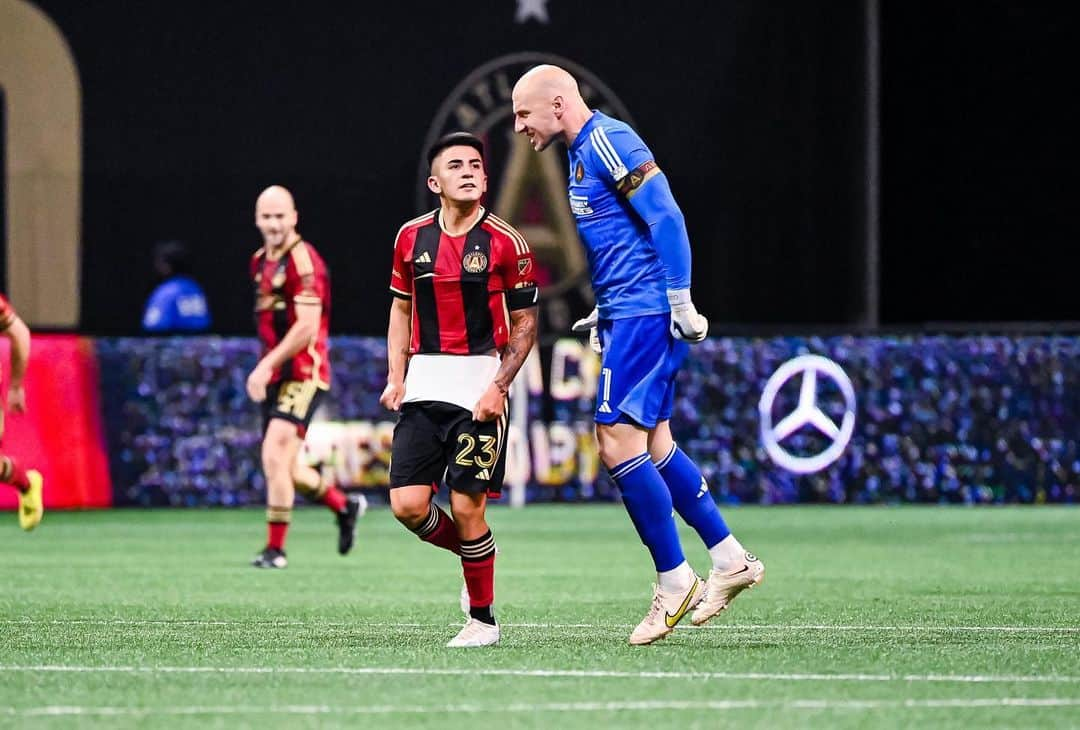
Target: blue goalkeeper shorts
638, 367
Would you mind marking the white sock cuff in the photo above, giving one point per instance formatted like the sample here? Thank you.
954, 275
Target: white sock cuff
678, 578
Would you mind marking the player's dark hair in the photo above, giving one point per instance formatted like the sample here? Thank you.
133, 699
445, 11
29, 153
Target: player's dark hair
172, 256
452, 140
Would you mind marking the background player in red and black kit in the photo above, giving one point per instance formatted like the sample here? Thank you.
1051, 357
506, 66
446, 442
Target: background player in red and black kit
463, 321
292, 315
27, 482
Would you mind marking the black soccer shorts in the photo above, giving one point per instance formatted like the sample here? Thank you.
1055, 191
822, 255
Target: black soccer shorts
433, 437
292, 400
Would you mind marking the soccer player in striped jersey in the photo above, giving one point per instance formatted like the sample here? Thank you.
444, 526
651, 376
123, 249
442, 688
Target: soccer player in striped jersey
639, 260
462, 322
27, 482
292, 315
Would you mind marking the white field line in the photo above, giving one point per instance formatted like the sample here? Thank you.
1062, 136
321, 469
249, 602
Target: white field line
640, 706
360, 623
555, 673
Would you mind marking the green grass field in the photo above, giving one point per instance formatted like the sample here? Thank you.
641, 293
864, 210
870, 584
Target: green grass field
868, 617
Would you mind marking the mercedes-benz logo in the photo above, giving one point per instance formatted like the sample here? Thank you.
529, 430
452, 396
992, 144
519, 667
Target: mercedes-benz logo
806, 413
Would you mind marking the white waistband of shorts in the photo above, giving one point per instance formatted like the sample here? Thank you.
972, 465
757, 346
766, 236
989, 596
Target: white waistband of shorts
456, 379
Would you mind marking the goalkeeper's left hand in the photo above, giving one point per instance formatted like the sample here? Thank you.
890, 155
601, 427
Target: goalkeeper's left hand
588, 324
686, 323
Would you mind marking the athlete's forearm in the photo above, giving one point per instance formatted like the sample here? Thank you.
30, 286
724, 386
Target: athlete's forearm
656, 205
397, 340
19, 334
519, 345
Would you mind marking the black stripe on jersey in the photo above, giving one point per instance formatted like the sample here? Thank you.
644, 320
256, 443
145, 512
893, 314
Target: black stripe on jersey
474, 292
427, 310
281, 316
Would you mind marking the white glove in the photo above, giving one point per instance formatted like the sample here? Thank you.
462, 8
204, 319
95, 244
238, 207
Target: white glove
588, 323
686, 323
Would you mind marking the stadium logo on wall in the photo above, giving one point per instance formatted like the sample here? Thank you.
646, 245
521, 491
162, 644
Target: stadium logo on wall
806, 427
526, 188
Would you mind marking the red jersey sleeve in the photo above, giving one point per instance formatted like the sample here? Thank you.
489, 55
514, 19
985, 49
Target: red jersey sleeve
517, 268
312, 284
7, 313
253, 266
401, 279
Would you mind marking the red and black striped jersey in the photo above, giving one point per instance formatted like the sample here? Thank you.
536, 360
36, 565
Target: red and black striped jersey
295, 277
462, 287
7, 318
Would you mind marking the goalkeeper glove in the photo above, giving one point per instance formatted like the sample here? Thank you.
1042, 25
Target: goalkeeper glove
686, 323
588, 323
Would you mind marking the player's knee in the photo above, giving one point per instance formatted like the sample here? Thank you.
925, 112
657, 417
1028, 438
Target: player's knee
278, 448
468, 512
619, 442
410, 510
608, 446
274, 460
660, 441
302, 478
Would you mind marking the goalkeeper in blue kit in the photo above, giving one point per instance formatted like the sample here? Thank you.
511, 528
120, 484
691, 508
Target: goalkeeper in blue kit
639, 258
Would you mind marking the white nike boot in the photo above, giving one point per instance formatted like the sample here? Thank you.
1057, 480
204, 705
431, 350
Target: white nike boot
666, 611
475, 633
724, 585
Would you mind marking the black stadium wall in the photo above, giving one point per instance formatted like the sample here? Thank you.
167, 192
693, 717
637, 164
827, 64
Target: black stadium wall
794, 135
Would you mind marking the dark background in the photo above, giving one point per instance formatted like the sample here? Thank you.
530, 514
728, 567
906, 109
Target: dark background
757, 111
980, 194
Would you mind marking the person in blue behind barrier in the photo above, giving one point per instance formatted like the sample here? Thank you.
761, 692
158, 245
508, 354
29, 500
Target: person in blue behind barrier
639, 259
178, 304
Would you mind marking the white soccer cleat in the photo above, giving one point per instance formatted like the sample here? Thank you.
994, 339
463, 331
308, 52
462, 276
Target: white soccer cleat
666, 611
475, 633
723, 586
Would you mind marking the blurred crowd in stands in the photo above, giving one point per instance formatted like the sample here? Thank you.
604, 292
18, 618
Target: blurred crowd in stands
977, 419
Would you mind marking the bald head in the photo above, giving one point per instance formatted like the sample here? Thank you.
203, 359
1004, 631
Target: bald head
275, 216
549, 81
275, 196
548, 106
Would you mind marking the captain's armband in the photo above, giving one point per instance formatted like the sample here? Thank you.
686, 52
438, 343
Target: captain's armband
633, 180
523, 296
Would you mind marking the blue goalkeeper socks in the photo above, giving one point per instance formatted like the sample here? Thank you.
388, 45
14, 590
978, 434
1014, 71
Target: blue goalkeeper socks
648, 502
690, 495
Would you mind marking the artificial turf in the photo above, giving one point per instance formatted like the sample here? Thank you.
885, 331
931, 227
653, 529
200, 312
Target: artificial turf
868, 617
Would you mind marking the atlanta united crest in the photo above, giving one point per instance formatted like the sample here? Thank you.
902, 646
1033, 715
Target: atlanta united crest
474, 262
527, 189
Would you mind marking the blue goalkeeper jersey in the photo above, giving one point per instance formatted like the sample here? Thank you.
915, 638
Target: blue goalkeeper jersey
608, 165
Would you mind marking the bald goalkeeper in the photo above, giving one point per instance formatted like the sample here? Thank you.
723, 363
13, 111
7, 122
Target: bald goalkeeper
639, 260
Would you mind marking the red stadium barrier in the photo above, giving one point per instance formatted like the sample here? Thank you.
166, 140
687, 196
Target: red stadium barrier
61, 435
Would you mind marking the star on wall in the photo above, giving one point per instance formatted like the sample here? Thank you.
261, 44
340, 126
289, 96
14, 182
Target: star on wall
531, 9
